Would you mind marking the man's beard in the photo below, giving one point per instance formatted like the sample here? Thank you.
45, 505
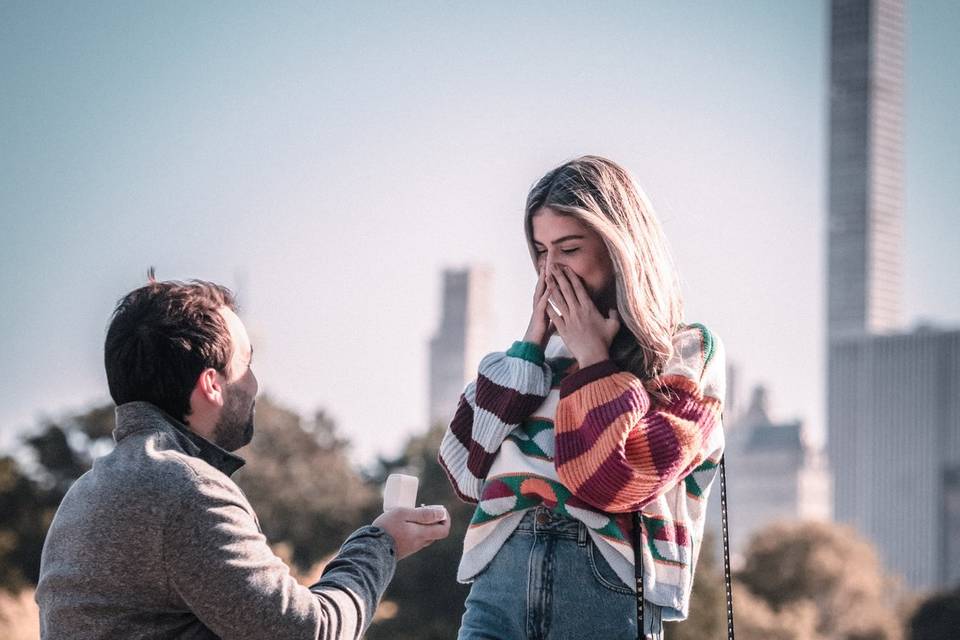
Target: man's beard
234, 429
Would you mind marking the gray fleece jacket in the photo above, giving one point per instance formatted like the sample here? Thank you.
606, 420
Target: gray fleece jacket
156, 541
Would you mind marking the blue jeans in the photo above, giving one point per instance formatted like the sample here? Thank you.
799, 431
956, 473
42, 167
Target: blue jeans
549, 582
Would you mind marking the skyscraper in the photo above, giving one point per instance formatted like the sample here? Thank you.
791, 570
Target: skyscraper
893, 415
866, 167
461, 339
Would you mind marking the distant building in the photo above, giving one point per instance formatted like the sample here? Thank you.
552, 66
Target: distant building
773, 473
731, 409
461, 340
894, 411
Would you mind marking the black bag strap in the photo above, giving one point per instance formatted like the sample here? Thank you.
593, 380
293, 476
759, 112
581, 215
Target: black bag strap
638, 558
638, 570
727, 581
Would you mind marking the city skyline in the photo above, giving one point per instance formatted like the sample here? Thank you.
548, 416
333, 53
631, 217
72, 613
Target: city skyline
329, 163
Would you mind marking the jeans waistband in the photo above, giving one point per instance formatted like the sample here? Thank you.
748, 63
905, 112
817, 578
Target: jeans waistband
542, 521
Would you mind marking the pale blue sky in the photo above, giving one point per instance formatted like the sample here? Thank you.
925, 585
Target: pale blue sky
330, 160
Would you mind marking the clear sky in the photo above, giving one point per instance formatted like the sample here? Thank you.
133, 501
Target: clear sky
329, 160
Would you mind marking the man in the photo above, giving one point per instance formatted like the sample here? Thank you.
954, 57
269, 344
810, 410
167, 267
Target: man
156, 541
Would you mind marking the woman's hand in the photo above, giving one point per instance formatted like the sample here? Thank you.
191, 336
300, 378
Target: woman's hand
540, 327
584, 330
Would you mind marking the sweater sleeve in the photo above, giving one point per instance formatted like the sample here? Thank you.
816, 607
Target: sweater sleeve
616, 449
509, 387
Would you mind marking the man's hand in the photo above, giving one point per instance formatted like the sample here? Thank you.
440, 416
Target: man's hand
414, 529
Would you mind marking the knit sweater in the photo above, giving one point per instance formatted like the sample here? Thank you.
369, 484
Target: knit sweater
534, 429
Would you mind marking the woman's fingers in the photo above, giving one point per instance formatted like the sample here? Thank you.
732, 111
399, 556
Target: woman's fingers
542, 304
555, 297
556, 319
566, 289
577, 284
541, 284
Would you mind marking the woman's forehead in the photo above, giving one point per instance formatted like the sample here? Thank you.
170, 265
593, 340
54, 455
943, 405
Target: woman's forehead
549, 226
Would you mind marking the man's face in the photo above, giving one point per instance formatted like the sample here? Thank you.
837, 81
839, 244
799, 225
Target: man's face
234, 427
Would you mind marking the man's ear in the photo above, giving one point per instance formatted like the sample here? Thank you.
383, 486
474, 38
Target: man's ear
210, 387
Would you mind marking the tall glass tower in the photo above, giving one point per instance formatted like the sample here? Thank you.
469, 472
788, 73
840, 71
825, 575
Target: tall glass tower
866, 167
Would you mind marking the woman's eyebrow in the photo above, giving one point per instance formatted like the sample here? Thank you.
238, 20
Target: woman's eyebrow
563, 239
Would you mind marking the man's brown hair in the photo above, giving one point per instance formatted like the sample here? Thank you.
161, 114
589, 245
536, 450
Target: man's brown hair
161, 337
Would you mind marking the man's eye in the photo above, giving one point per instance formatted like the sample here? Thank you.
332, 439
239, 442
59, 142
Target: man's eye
569, 251
540, 252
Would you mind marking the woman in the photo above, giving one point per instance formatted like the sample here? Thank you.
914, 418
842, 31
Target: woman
608, 405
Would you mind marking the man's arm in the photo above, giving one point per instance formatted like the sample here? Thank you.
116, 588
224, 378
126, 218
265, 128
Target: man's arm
221, 565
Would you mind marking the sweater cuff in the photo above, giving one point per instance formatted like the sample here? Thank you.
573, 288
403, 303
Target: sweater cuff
583, 377
526, 351
376, 536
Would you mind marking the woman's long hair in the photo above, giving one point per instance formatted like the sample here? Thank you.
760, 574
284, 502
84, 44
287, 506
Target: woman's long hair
603, 196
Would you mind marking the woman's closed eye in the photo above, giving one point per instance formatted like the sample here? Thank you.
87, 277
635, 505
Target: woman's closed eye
567, 251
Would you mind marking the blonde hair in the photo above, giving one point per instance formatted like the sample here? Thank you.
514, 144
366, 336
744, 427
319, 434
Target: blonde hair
603, 196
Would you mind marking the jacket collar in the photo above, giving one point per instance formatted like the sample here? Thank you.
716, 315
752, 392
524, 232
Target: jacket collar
133, 417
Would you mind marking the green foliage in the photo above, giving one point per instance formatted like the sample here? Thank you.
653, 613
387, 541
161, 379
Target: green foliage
60, 452
27, 509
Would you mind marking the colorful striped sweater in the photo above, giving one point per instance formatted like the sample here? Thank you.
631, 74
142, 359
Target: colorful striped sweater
534, 429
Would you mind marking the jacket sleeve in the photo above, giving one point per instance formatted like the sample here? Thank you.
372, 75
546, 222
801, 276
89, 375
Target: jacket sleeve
220, 564
616, 449
509, 387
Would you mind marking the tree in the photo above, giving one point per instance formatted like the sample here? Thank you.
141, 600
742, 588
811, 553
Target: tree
829, 566
64, 449
756, 620
937, 618
30, 490
27, 510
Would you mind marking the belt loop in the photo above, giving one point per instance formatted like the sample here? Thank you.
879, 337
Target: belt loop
582, 534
